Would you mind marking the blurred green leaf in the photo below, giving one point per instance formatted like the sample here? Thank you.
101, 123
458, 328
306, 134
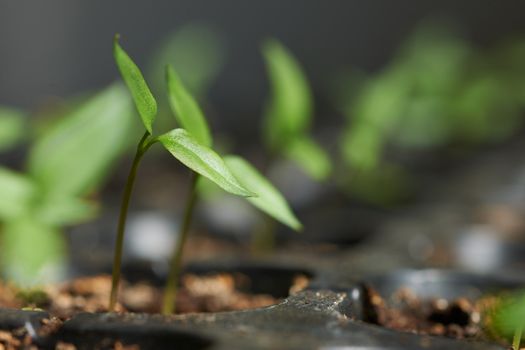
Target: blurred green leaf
201, 159
362, 146
17, 194
73, 157
59, 211
144, 100
196, 51
32, 252
508, 315
185, 108
310, 157
268, 199
290, 107
386, 185
481, 101
12, 127
435, 58
425, 124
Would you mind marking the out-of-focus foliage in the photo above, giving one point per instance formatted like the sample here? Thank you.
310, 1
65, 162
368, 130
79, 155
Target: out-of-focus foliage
437, 91
507, 319
85, 144
67, 162
12, 127
289, 112
196, 51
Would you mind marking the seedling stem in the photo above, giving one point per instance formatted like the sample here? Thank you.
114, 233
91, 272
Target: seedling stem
141, 149
517, 338
168, 305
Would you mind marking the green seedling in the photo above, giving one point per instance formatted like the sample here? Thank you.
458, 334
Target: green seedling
190, 150
36, 298
437, 92
190, 116
191, 146
64, 166
508, 319
289, 113
286, 129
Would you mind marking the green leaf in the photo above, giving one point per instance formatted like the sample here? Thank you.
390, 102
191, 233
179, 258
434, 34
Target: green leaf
290, 107
73, 157
12, 127
507, 315
310, 157
185, 108
269, 199
17, 193
144, 100
201, 159
60, 211
32, 253
196, 50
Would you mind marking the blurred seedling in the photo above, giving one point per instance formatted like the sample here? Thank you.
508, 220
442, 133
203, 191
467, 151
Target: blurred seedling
508, 319
437, 94
64, 167
191, 145
286, 129
288, 114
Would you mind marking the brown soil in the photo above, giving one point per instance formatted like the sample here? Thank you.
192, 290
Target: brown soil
197, 293
460, 318
209, 293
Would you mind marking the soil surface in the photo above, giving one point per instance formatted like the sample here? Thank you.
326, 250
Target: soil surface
197, 293
460, 318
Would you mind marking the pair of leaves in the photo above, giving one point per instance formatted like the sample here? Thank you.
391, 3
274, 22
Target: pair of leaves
289, 112
233, 174
184, 106
192, 145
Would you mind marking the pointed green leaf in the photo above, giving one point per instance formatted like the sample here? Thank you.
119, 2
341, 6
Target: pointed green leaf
32, 252
290, 107
12, 127
17, 194
185, 108
144, 100
201, 159
306, 153
73, 156
269, 199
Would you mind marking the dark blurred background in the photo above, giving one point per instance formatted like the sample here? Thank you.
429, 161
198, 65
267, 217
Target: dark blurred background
63, 47
439, 98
